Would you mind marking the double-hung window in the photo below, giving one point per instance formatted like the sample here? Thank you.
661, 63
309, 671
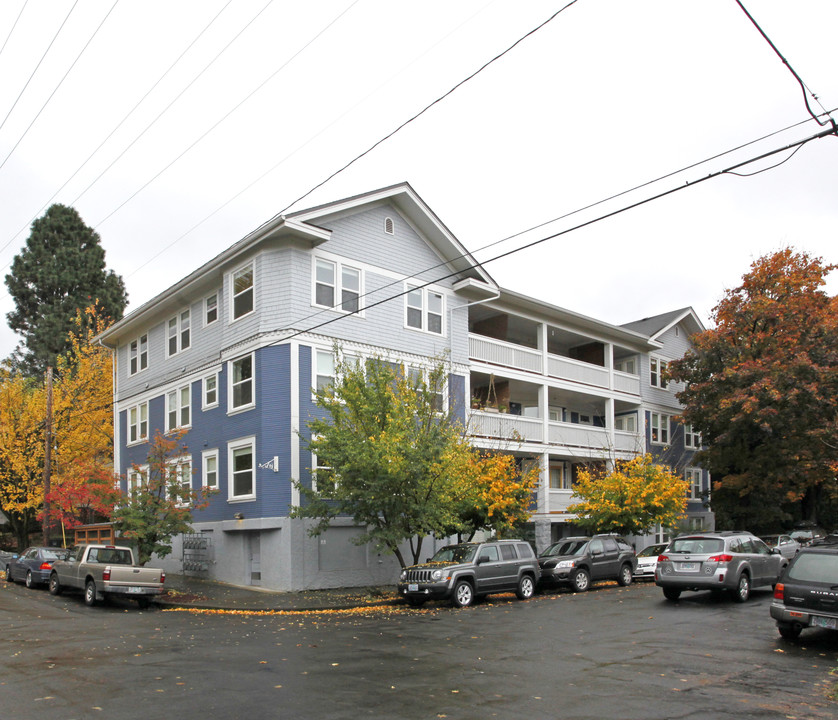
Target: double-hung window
138, 423
692, 438
242, 469
178, 404
138, 355
243, 291
210, 391
241, 383
626, 423
435, 387
137, 478
657, 372
178, 333
324, 369
693, 477
179, 481
337, 286
660, 428
209, 459
211, 309
424, 310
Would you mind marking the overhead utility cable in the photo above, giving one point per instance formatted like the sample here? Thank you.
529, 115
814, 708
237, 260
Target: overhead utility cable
118, 125
797, 77
51, 42
60, 82
729, 170
14, 25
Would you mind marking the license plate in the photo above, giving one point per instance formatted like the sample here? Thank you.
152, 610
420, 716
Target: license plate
824, 622
688, 567
135, 590
413, 587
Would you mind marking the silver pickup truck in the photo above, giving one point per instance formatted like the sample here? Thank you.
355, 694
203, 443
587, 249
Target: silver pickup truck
104, 570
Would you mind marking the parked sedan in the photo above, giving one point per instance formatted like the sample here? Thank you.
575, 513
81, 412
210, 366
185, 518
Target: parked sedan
786, 544
33, 565
647, 561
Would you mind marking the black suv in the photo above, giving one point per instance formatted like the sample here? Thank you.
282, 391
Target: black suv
579, 561
807, 592
466, 571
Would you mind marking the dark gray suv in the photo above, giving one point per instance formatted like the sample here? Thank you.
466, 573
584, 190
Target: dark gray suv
733, 561
466, 571
579, 561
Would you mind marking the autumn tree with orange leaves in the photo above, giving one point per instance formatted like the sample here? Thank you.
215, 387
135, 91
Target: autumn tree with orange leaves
762, 387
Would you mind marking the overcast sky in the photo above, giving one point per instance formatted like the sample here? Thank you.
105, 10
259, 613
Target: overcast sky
263, 104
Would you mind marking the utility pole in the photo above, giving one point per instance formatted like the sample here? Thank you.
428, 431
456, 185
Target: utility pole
47, 525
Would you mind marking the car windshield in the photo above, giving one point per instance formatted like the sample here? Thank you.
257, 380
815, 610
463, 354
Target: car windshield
455, 553
651, 551
697, 545
48, 554
565, 547
814, 567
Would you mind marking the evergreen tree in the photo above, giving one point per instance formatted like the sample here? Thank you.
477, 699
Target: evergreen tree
60, 271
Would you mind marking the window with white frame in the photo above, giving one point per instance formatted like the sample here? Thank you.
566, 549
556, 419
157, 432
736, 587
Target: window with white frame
178, 333
179, 481
242, 469
324, 369
657, 371
178, 403
317, 467
210, 383
692, 438
243, 291
693, 477
660, 428
209, 468
241, 383
211, 309
138, 423
337, 286
137, 478
419, 377
424, 310
626, 423
626, 365
138, 355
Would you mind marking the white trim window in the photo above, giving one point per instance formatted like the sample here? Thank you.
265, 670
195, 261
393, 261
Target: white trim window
693, 477
315, 467
660, 428
324, 369
180, 473
241, 392
137, 478
657, 372
343, 295
137, 423
138, 355
210, 388
424, 309
243, 292
418, 376
692, 438
210, 309
178, 333
209, 468
178, 408
241, 468
626, 365
626, 423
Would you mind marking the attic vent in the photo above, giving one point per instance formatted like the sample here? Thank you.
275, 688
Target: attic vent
388, 226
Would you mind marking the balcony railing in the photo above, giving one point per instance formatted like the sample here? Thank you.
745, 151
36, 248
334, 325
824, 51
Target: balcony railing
506, 427
509, 355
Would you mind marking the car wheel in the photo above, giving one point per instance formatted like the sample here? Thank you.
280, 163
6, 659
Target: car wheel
9, 574
415, 601
526, 588
463, 594
789, 632
625, 576
671, 593
90, 593
30, 583
581, 580
54, 585
743, 589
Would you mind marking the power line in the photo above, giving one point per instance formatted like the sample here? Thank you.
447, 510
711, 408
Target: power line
60, 82
14, 25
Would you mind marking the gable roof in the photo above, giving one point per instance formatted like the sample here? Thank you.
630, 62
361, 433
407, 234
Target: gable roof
655, 326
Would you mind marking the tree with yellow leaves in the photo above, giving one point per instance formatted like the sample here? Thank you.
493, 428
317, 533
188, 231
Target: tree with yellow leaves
631, 499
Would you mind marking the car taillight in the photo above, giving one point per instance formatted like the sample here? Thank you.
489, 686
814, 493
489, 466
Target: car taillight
779, 589
723, 558
45, 566
162, 577
106, 574
663, 558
